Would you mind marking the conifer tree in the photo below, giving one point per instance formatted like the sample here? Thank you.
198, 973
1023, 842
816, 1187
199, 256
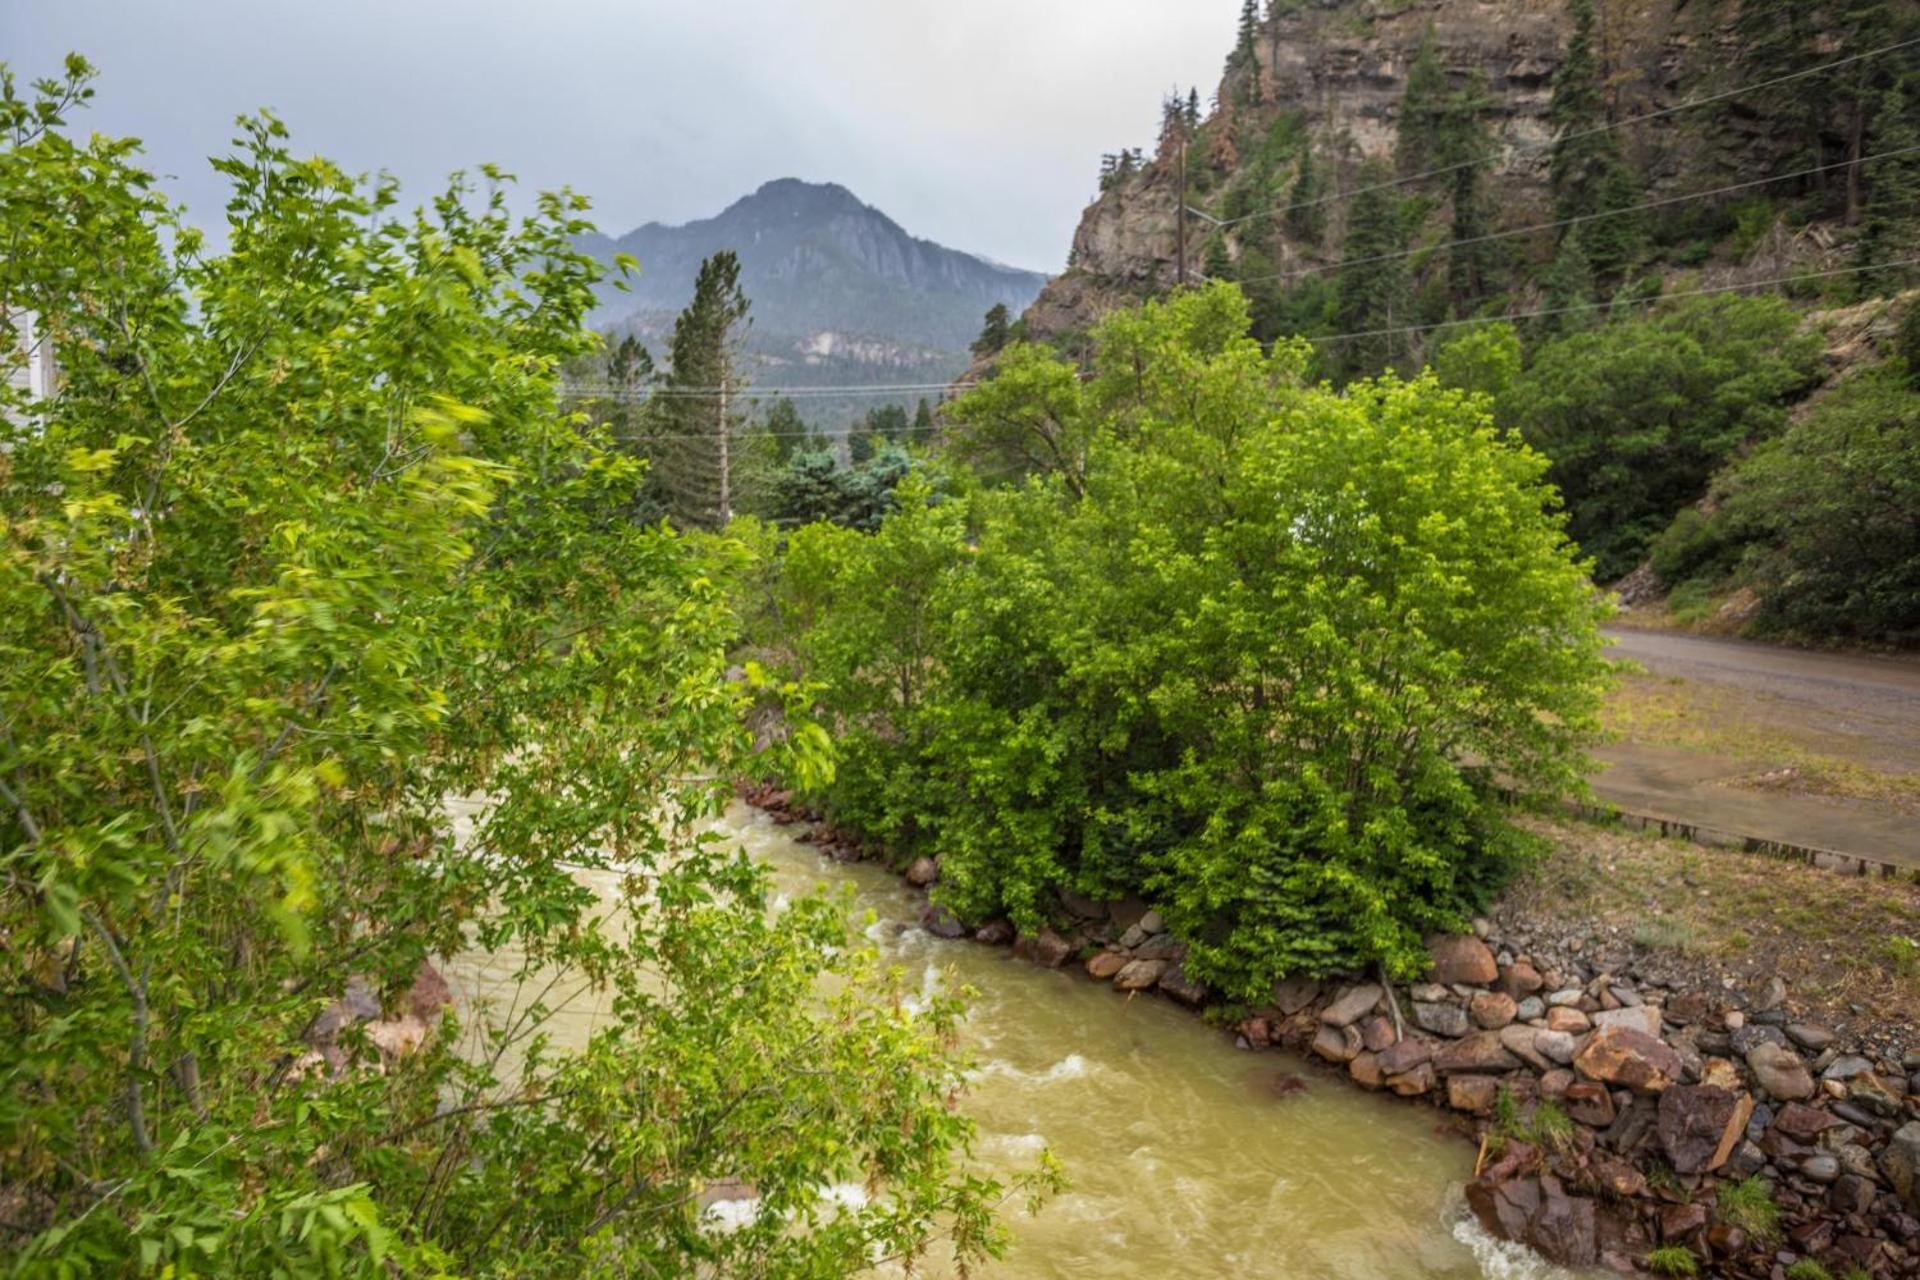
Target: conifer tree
1586, 171
1218, 264
1243, 47
786, 431
1193, 110
1568, 288
1473, 263
1371, 292
1306, 215
699, 467
922, 432
1890, 221
994, 333
1423, 108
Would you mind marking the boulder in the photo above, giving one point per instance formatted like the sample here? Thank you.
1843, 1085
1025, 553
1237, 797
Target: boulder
1520, 980
1462, 958
1337, 1044
1161, 946
1474, 1095
994, 933
1643, 1018
1441, 1019
1377, 1033
1808, 1036
1104, 965
923, 872
1403, 1057
1700, 1125
1589, 1104
1780, 1072
1478, 1054
1900, 1161
1412, 1082
942, 923
429, 993
1629, 1058
356, 1004
1291, 995
1802, 1124
397, 1037
1365, 1070
1536, 1212
1492, 1010
1351, 1005
1051, 950
1870, 1093
1139, 975
1519, 1041
1185, 989
1554, 1046
1682, 1222
1530, 1009
1846, 1067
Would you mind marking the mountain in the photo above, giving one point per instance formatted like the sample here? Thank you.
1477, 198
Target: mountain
841, 294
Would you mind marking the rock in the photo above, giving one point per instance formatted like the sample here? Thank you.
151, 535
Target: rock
1441, 1019
1700, 1125
429, 993
1681, 1222
1479, 1053
1686, 1008
1520, 980
1780, 1072
1555, 1046
1537, 1213
1256, 1032
356, 1004
1106, 964
1492, 1010
994, 933
1721, 1073
1900, 1161
1823, 1169
1632, 1059
1519, 1041
1403, 1057
1152, 924
1377, 1033
942, 923
923, 872
1590, 1104
1133, 937
1530, 1009
1351, 1005
1554, 1083
1771, 995
1846, 1067
1808, 1036
397, 1036
1747, 1160
1337, 1044
1643, 1018
1802, 1124
1051, 950
1852, 1194
1291, 995
1365, 1070
1161, 946
1870, 1093
1139, 975
1462, 958
1187, 990
1616, 1177
1412, 1083
1474, 1095
1080, 905
1430, 992
1565, 998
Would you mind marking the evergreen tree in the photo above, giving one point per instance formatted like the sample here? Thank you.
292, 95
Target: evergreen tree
993, 334
1424, 108
698, 467
1473, 263
922, 433
1890, 222
1245, 62
1218, 264
1585, 168
1193, 111
1775, 38
1568, 283
1371, 292
1306, 215
786, 431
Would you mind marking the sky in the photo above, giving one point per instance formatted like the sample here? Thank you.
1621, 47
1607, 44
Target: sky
976, 123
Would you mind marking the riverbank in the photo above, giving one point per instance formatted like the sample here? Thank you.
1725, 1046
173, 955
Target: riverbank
1629, 1105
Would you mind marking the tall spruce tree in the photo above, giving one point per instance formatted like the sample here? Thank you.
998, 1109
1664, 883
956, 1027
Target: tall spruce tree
994, 332
700, 466
1567, 288
1424, 108
1474, 264
1586, 171
1890, 221
922, 432
1306, 214
1372, 295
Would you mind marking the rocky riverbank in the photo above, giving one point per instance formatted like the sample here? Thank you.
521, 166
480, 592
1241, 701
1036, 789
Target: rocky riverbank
1626, 1116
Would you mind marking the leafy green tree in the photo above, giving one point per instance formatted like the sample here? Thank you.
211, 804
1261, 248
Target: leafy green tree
1638, 415
1588, 176
1094, 681
1483, 360
993, 334
1373, 297
329, 650
699, 466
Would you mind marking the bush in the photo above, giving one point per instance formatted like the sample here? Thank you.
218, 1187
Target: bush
1225, 647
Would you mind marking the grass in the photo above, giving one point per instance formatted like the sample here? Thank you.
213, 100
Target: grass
1835, 939
1808, 1269
1748, 1204
1546, 1126
1672, 1260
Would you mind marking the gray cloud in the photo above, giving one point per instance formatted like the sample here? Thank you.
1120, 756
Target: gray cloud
977, 124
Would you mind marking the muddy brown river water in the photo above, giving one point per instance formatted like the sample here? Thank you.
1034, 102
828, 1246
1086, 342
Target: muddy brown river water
1184, 1161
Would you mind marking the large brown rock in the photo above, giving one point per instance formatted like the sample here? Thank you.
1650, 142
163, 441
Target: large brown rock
1365, 1070
1139, 975
1337, 1044
1901, 1163
1700, 1125
1291, 995
1187, 990
1628, 1058
923, 872
1351, 1005
1521, 980
1589, 1104
1536, 1212
1780, 1072
1474, 1095
1106, 964
1404, 1056
1480, 1053
1462, 958
1412, 1082
1492, 1010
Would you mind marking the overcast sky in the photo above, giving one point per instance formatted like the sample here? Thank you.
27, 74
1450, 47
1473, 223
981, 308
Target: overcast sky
977, 123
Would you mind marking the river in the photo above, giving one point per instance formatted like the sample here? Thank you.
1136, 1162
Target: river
1184, 1158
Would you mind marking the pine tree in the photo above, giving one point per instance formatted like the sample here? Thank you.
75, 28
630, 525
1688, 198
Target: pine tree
1473, 262
994, 333
698, 467
1890, 216
1371, 291
1587, 174
1243, 46
1218, 264
1193, 111
1568, 289
1306, 214
785, 429
1423, 108
922, 433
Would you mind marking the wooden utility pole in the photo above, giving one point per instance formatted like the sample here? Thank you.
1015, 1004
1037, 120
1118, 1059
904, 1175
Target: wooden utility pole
726, 476
1180, 219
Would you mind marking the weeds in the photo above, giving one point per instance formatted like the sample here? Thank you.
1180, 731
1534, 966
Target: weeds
1748, 1204
1672, 1260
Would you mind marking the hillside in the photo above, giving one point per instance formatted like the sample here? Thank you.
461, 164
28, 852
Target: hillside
841, 294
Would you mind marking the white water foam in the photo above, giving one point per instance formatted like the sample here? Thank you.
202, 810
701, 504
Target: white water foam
1503, 1259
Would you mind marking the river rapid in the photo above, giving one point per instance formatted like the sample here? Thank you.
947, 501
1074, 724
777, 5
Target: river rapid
1186, 1157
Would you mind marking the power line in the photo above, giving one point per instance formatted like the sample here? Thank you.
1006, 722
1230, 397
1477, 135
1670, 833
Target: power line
1528, 148
1511, 232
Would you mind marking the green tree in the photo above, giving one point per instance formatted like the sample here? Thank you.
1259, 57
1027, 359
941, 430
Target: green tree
1638, 415
1218, 262
329, 649
786, 430
1567, 289
1890, 227
1481, 360
1306, 207
700, 467
1588, 176
923, 429
993, 334
1424, 108
1373, 297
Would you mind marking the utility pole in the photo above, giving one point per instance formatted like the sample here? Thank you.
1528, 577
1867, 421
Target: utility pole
1180, 222
726, 476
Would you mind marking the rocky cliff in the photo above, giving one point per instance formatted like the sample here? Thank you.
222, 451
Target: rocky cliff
1334, 72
